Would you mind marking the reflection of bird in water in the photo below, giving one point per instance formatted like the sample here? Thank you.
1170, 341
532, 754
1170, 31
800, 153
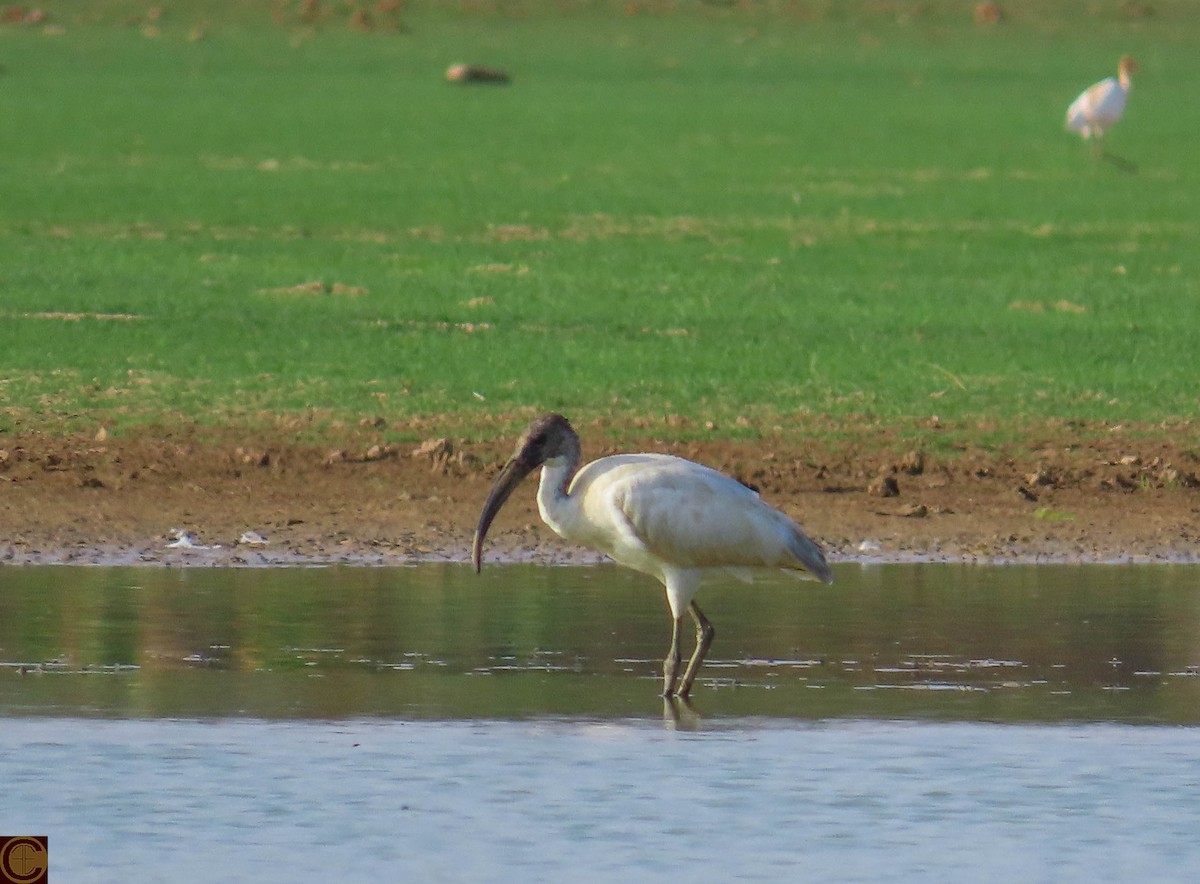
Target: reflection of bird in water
664, 516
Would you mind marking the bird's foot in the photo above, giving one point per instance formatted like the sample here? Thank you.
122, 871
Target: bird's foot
678, 712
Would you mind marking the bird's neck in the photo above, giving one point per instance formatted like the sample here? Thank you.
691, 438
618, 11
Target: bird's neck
1124, 79
553, 501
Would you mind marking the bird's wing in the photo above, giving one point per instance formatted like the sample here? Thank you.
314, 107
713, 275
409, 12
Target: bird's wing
1097, 104
686, 515
1108, 103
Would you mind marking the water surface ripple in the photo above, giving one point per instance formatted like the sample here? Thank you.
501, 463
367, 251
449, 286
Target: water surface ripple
576, 800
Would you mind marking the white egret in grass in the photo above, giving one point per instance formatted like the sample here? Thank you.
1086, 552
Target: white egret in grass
665, 516
1101, 105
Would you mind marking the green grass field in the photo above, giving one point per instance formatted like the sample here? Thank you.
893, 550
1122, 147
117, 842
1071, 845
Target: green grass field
766, 209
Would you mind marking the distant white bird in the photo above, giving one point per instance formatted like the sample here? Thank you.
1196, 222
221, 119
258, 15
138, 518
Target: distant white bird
661, 515
1103, 103
184, 540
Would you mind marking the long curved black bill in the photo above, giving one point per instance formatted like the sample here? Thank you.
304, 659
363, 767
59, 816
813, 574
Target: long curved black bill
510, 477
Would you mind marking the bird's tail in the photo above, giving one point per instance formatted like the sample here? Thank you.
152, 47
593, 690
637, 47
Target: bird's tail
809, 555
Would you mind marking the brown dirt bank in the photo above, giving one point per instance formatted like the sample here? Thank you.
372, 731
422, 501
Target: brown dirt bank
1070, 493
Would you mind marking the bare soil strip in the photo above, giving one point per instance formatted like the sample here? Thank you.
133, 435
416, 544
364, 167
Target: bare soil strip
1071, 496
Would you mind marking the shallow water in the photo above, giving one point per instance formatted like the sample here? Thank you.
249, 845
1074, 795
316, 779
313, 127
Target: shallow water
157, 800
1015, 643
922, 722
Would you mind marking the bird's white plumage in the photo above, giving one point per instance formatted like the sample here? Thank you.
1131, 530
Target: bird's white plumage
670, 518
1102, 104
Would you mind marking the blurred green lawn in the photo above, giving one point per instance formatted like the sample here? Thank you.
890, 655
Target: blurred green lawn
787, 209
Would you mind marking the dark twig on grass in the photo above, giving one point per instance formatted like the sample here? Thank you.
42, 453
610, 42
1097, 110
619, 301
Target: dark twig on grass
470, 73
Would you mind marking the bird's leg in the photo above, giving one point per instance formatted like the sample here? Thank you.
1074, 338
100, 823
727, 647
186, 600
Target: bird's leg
671, 664
704, 638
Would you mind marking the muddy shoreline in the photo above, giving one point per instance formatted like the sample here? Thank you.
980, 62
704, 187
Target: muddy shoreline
261, 499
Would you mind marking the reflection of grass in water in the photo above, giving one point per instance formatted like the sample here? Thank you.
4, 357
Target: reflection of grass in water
700, 212
949, 642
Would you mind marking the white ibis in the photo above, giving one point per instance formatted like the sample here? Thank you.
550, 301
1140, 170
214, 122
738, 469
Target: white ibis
1100, 105
658, 514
